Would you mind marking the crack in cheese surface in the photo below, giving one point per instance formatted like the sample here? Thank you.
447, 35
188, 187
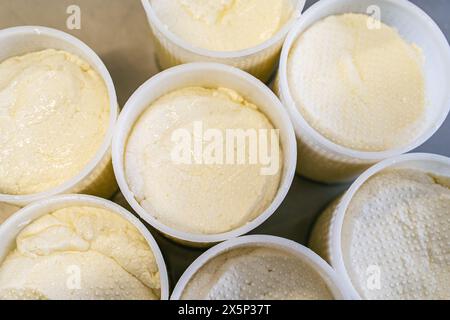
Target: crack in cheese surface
399, 223
80, 253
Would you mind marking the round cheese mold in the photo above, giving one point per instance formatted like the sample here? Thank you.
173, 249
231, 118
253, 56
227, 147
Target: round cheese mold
79, 247
201, 202
362, 88
58, 108
199, 197
218, 25
256, 273
259, 268
212, 31
347, 107
6, 210
388, 235
54, 116
399, 222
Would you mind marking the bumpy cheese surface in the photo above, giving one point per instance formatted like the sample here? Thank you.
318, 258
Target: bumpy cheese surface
257, 273
396, 236
224, 25
54, 114
360, 87
82, 253
197, 196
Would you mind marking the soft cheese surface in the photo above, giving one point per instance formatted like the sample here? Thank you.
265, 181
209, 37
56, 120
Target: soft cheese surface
360, 87
197, 197
54, 113
80, 253
398, 227
224, 25
257, 273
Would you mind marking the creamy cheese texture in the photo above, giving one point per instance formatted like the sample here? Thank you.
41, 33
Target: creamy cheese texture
54, 114
80, 253
360, 86
224, 25
197, 196
396, 236
257, 273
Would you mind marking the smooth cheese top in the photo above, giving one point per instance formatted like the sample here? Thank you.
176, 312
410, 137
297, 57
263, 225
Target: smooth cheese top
257, 273
360, 87
197, 196
224, 25
80, 253
54, 114
396, 236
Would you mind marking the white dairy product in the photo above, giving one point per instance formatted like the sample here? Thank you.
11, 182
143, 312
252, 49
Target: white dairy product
396, 236
224, 25
360, 86
54, 114
257, 273
80, 253
197, 196
6, 210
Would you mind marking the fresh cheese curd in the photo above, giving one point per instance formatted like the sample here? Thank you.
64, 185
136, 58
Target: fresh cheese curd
224, 25
396, 236
256, 273
80, 253
54, 114
358, 84
198, 196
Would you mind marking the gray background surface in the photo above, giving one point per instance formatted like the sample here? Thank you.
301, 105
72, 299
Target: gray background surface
117, 30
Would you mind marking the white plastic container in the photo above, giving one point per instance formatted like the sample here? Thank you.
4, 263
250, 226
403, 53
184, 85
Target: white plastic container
97, 177
326, 237
206, 75
321, 159
14, 225
7, 210
338, 289
260, 61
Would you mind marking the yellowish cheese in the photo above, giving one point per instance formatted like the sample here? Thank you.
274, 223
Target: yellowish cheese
360, 87
54, 114
199, 197
257, 273
224, 25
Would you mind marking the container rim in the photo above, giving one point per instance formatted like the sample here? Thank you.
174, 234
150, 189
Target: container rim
154, 19
335, 284
130, 113
302, 126
113, 108
337, 256
26, 215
